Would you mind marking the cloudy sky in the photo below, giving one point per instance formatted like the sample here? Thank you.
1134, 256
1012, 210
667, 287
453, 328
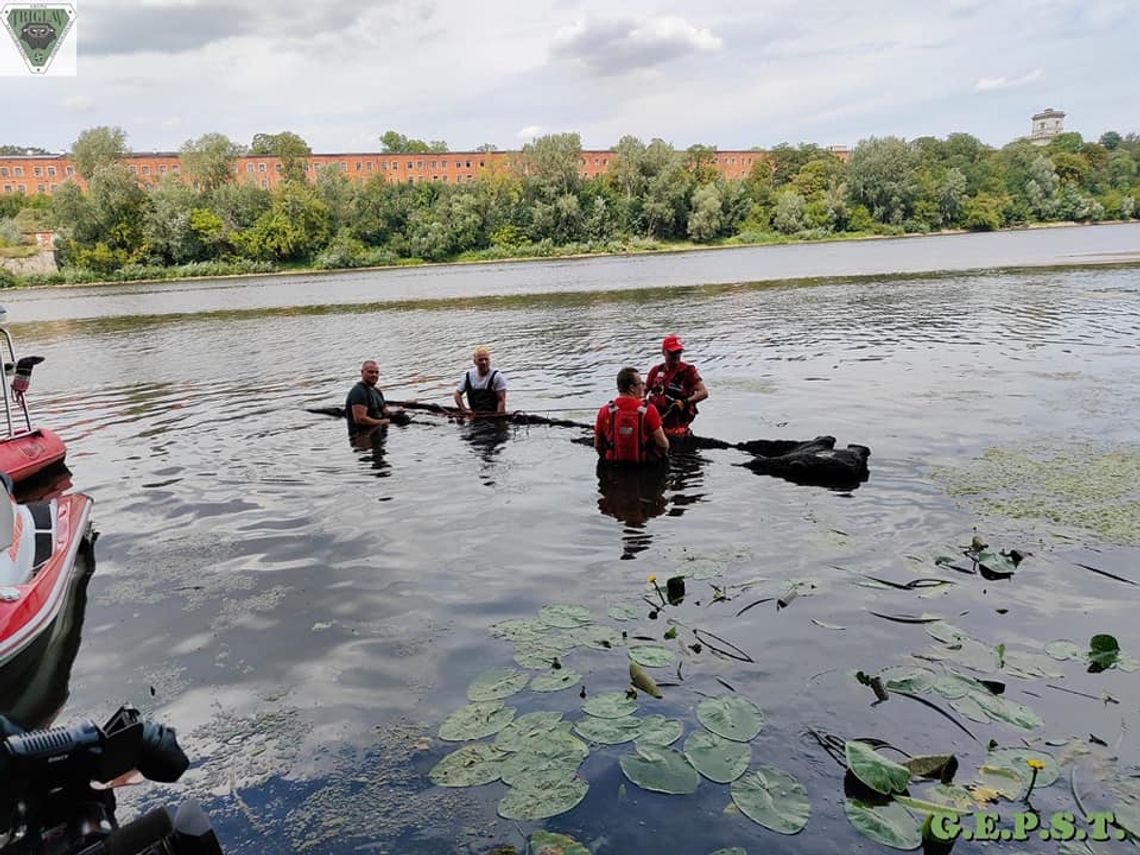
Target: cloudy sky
731, 74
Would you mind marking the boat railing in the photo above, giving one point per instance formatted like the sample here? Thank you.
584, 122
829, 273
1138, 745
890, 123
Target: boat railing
11, 418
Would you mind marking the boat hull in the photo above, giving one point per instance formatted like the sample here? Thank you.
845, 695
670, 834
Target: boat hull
27, 454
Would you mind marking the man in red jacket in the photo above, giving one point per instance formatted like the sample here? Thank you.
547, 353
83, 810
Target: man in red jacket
627, 429
675, 387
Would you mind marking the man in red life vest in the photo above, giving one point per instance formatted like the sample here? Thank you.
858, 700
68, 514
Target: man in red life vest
627, 429
675, 387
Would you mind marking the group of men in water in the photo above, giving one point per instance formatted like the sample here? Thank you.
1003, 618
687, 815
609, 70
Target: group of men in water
635, 427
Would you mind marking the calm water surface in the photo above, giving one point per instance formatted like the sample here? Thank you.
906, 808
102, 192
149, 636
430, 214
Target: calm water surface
307, 612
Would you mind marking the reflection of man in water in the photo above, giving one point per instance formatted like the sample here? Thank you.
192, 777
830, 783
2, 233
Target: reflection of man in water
485, 387
372, 445
365, 408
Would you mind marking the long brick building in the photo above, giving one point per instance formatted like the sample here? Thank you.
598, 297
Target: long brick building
44, 174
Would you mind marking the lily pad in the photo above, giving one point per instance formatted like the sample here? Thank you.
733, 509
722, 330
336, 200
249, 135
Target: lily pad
952, 796
905, 678
945, 632
469, 766
701, 568
732, 850
519, 629
539, 655
541, 796
549, 843
772, 798
623, 611
565, 616
1127, 809
658, 730
718, 759
971, 709
1011, 712
496, 684
609, 705
660, 769
731, 716
1017, 760
1104, 651
1002, 780
528, 730
651, 655
876, 771
597, 636
890, 824
475, 721
608, 731
1028, 666
557, 751
555, 681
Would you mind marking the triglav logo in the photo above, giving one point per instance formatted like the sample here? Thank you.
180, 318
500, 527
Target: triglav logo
38, 30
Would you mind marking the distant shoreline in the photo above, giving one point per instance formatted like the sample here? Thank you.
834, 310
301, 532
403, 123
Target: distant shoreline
1109, 258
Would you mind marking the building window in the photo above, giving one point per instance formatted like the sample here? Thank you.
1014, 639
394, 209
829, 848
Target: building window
146, 170
71, 170
419, 164
7, 188
261, 167
51, 172
18, 171
369, 164
162, 168
134, 169
37, 171
469, 164
344, 166
249, 167
265, 183
277, 167
597, 161
40, 188
433, 164
54, 187
359, 166
443, 163
4, 171
174, 167
469, 178
20, 188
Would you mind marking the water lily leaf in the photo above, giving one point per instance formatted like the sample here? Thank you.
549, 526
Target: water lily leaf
951, 795
972, 654
772, 798
923, 806
525, 629
565, 616
732, 850
1028, 666
1127, 810
731, 716
549, 843
1002, 780
971, 709
890, 824
1062, 649
496, 684
942, 766
542, 795
701, 568
1017, 760
597, 636
1104, 650
623, 611
608, 731
873, 769
651, 655
469, 766
660, 769
539, 654
528, 729
905, 678
554, 681
557, 751
1008, 711
953, 686
609, 705
658, 730
475, 721
945, 632
642, 680
718, 759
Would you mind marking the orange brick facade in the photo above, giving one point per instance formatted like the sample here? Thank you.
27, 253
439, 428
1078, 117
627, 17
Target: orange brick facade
33, 174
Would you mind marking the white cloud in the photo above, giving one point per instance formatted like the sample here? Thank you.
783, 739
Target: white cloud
615, 45
79, 103
988, 84
528, 133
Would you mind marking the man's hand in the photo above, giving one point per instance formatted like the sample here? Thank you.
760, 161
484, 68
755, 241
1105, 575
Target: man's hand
680, 405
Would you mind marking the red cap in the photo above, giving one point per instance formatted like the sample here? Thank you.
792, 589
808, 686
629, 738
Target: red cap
672, 343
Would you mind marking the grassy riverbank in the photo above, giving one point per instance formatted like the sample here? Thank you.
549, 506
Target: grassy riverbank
492, 255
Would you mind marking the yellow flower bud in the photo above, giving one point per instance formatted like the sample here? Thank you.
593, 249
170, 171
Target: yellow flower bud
1034, 763
652, 580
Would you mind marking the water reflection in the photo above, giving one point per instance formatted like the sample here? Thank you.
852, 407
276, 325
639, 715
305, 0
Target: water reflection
371, 448
635, 495
486, 438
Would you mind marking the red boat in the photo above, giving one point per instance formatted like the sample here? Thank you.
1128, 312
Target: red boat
24, 450
40, 543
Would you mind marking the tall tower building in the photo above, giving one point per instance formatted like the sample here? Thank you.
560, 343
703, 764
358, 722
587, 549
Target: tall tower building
1046, 125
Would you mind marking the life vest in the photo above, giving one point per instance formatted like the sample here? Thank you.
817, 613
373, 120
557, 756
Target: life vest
667, 386
482, 400
627, 430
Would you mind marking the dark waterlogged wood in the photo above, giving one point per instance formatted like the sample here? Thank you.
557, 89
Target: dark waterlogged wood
815, 462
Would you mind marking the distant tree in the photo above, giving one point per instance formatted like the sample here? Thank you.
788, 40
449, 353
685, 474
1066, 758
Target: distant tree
553, 161
292, 150
788, 217
818, 175
437, 146
9, 150
706, 219
787, 160
881, 175
701, 161
96, 147
209, 160
396, 143
665, 207
1070, 142
626, 166
1110, 140
487, 147
1122, 169
984, 212
167, 228
295, 227
952, 196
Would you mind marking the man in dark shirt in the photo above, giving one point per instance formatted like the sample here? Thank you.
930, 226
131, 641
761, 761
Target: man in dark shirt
365, 408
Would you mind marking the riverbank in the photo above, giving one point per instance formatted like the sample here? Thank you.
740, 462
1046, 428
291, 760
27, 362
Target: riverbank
143, 275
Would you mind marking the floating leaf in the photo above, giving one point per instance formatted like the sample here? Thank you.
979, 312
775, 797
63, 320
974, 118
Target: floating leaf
557, 751
1011, 712
608, 731
890, 824
1002, 780
924, 806
731, 716
597, 636
1017, 760
1028, 666
876, 771
905, 678
971, 709
496, 684
772, 798
952, 795
528, 730
658, 730
565, 616
1127, 810
947, 633
718, 759
609, 705
554, 681
475, 721
1104, 650
539, 655
643, 681
660, 769
623, 611
651, 655
541, 796
942, 766
469, 766
702, 568
549, 843
527, 629
1062, 649
732, 850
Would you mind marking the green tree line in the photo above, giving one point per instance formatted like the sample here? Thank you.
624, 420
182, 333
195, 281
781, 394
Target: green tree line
540, 206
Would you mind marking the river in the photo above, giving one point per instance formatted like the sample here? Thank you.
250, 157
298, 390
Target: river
307, 613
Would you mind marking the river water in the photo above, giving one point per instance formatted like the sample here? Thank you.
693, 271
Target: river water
307, 612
